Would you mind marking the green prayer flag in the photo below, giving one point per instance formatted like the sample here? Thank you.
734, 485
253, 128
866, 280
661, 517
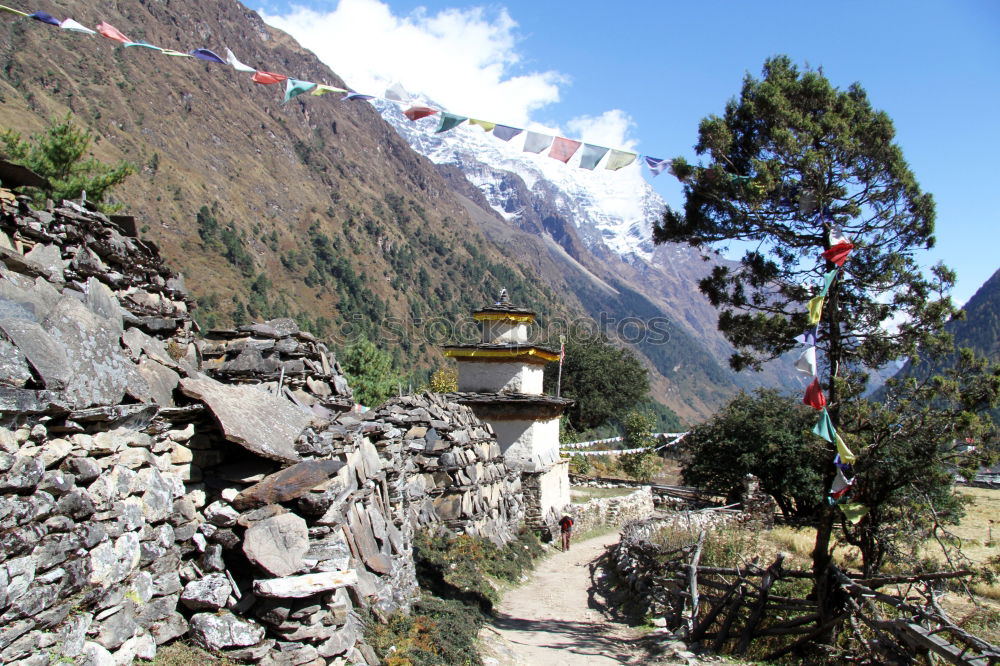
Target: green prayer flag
825, 427
854, 512
294, 88
591, 155
449, 121
12, 11
827, 281
815, 310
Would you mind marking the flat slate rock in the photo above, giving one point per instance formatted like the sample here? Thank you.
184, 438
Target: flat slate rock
257, 421
97, 363
45, 355
288, 484
296, 587
161, 381
278, 544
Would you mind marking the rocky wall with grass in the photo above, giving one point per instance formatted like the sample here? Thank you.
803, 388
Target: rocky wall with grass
613, 511
157, 486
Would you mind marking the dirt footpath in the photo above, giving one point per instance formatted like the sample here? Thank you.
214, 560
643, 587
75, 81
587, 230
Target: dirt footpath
555, 618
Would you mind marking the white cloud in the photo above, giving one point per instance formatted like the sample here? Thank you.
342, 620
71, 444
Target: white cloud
611, 128
463, 59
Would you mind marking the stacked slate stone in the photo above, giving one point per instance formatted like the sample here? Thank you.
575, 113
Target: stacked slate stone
278, 357
447, 467
69, 244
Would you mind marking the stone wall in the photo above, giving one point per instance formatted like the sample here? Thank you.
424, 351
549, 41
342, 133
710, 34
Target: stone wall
154, 485
613, 511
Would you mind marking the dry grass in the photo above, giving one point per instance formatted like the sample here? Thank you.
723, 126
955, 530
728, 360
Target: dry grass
583, 494
184, 654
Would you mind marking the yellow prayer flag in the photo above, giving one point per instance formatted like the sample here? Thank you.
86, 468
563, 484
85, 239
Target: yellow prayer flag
854, 512
845, 453
485, 124
322, 90
815, 310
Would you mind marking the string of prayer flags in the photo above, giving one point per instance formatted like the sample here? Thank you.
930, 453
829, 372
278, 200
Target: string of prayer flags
449, 121
591, 155
535, 142
815, 310
234, 62
208, 56
485, 124
656, 165
111, 32
563, 149
70, 24
854, 512
814, 395
321, 89
506, 133
418, 112
45, 17
267, 78
619, 159
837, 254
806, 362
294, 88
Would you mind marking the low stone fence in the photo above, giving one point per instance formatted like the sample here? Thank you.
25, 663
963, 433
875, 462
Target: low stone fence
613, 511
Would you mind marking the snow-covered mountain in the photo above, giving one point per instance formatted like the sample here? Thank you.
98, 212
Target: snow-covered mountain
601, 221
612, 210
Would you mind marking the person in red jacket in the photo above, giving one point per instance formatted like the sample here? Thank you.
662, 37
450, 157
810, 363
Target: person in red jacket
566, 527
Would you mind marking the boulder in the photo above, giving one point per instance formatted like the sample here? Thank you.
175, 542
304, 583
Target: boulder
278, 544
224, 631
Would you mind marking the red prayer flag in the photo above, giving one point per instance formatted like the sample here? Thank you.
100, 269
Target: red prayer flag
563, 149
814, 396
418, 112
111, 32
838, 253
267, 78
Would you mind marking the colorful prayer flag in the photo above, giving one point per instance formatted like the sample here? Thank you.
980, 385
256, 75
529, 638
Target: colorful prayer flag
267, 78
294, 88
808, 337
169, 52
70, 24
147, 45
854, 512
111, 32
619, 159
827, 281
841, 484
485, 124
814, 395
397, 93
656, 165
44, 17
449, 121
807, 361
209, 56
234, 62
563, 149
417, 112
591, 155
825, 427
358, 96
322, 90
845, 453
506, 133
535, 142
838, 253
815, 310
5, 8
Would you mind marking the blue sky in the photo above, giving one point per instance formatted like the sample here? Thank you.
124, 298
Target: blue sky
642, 73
